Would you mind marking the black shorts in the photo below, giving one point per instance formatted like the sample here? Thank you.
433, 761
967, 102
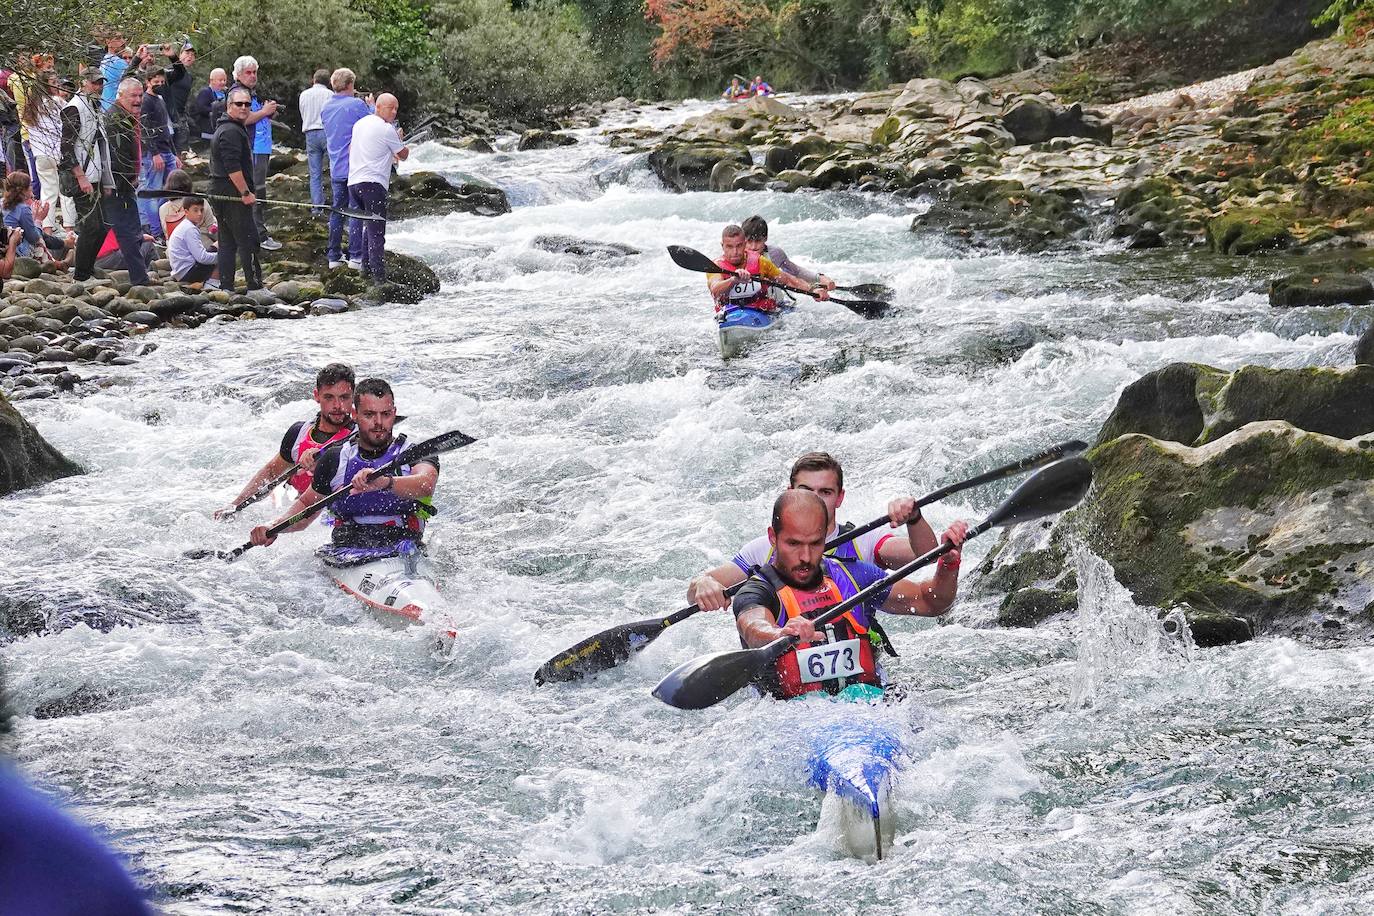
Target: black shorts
198, 273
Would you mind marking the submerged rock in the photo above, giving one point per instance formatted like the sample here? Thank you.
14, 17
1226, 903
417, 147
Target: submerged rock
1320, 289
587, 248
26, 458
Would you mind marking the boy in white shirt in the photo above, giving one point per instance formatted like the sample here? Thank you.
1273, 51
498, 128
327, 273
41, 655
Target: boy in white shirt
191, 262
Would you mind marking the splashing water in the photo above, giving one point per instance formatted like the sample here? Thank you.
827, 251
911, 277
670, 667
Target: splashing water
1119, 639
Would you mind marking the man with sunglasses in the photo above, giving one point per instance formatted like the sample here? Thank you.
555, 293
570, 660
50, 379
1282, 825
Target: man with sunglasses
231, 175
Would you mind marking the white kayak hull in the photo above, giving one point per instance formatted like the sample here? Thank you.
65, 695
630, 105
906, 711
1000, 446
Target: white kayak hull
399, 589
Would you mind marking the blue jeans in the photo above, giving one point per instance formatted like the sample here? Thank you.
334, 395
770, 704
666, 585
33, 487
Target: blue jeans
32, 168
317, 150
121, 215
153, 181
370, 197
355, 227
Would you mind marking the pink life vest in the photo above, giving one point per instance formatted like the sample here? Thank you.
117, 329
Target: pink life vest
301, 480
745, 293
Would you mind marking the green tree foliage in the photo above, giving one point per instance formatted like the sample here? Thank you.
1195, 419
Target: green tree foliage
517, 60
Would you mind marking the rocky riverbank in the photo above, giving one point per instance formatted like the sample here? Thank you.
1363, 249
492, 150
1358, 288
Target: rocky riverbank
1274, 158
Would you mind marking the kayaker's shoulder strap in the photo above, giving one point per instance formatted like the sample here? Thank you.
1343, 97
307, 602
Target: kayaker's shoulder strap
886, 641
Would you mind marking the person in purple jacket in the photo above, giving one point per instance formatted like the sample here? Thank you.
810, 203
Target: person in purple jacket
339, 115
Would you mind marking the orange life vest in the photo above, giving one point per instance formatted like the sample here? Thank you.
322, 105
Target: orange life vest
789, 678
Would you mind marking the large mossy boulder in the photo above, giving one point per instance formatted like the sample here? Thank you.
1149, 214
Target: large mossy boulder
26, 458
688, 166
1267, 530
1004, 214
1193, 404
410, 278
1248, 230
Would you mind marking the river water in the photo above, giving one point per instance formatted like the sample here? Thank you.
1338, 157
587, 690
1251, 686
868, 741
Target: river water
261, 744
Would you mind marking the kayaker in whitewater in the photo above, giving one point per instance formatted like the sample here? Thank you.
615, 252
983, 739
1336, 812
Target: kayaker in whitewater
821, 474
800, 583
736, 285
736, 90
304, 439
756, 241
759, 88
381, 517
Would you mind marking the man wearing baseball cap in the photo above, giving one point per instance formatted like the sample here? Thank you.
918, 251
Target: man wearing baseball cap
83, 169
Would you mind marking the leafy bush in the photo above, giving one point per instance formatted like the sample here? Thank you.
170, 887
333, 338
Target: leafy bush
517, 61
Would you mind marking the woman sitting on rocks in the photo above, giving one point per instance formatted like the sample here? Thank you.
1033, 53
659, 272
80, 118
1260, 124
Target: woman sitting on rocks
20, 212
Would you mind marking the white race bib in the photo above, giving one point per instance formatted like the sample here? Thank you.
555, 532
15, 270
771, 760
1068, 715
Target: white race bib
829, 661
743, 290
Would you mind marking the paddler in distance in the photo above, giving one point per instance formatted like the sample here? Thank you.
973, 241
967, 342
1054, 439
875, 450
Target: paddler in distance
735, 286
800, 583
821, 474
304, 439
381, 517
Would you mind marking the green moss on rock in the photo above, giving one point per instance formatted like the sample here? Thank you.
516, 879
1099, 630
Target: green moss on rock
1248, 230
26, 458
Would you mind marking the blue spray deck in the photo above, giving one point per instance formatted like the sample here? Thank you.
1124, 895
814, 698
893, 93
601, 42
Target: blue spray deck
739, 326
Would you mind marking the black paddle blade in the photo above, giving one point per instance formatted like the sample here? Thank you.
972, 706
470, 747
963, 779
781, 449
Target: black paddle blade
879, 291
867, 308
1049, 491
601, 652
691, 259
707, 680
431, 447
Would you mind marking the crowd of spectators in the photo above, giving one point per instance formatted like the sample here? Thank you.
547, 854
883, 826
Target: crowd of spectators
93, 164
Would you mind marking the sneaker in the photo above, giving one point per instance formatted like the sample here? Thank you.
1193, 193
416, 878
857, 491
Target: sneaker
334, 264
355, 265
269, 244
211, 283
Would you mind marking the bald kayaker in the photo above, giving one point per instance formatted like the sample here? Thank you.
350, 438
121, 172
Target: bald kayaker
821, 474
756, 241
735, 286
381, 517
304, 438
800, 583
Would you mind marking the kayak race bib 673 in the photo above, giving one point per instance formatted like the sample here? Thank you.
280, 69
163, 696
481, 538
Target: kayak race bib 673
829, 661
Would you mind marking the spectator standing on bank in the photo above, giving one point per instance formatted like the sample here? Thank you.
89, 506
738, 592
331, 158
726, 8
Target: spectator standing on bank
159, 150
113, 66
177, 95
312, 102
231, 175
202, 110
339, 115
259, 122
32, 95
84, 167
376, 144
10, 155
42, 114
126, 155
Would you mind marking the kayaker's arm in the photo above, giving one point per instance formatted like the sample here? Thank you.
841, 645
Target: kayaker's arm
934, 596
273, 468
707, 591
258, 536
800, 285
756, 627
418, 484
895, 552
719, 284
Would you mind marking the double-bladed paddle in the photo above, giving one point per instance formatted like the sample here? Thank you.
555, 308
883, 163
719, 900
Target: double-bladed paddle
427, 449
870, 290
691, 259
261, 492
613, 647
161, 193
707, 680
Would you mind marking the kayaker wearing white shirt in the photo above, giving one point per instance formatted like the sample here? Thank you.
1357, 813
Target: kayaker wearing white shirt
381, 517
800, 583
305, 438
822, 475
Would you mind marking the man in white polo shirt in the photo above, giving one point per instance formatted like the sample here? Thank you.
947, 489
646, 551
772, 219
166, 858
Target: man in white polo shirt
316, 148
376, 144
